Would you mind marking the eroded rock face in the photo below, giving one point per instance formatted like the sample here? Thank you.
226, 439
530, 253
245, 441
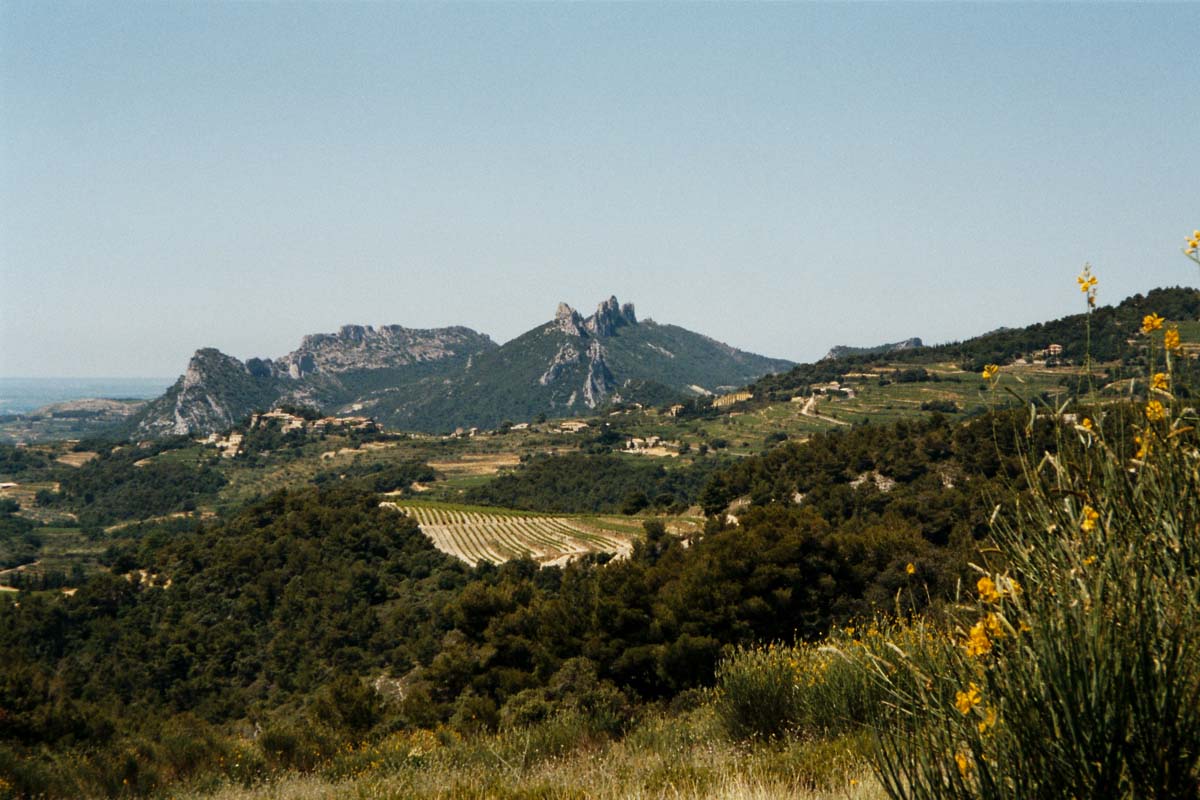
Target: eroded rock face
567, 320
610, 316
362, 347
207, 397
216, 390
600, 381
566, 357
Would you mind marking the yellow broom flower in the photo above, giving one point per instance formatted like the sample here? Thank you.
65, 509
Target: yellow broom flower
1151, 322
1171, 339
965, 701
1090, 516
1143, 443
987, 590
1155, 411
990, 371
978, 643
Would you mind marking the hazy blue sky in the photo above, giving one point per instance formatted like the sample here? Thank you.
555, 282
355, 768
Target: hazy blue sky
781, 177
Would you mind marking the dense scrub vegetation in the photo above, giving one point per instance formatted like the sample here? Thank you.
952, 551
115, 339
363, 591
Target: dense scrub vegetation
602, 483
239, 621
132, 482
21, 462
19, 541
264, 613
380, 476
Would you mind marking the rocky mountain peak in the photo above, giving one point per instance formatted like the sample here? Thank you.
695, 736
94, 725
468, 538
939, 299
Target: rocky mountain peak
206, 362
609, 316
568, 320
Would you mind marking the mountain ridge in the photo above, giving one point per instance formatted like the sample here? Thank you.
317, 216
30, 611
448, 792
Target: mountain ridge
438, 379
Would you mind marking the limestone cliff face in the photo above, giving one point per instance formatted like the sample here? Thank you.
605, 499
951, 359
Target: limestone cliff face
217, 390
213, 393
599, 383
362, 347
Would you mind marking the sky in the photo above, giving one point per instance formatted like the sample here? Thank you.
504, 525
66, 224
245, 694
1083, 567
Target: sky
782, 177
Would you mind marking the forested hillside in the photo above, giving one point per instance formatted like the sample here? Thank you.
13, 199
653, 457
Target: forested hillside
310, 593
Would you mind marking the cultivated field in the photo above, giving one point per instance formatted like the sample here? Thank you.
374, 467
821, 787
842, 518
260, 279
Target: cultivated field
476, 534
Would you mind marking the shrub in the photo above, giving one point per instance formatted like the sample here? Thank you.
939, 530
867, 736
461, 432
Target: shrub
1075, 669
812, 689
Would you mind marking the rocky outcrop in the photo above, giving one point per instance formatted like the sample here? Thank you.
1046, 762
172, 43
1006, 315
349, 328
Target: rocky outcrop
217, 390
214, 392
566, 357
362, 347
610, 316
600, 382
568, 321
844, 351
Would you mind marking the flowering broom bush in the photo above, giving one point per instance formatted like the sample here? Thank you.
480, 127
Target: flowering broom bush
1073, 670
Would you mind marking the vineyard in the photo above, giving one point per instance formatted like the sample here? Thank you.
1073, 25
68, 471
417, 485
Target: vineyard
476, 534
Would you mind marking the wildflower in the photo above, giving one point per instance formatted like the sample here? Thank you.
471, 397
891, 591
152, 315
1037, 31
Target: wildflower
910, 568
987, 590
988, 721
1159, 381
1155, 411
1087, 424
965, 701
994, 628
1086, 280
1087, 562
1151, 322
1171, 339
1143, 443
1090, 515
991, 371
963, 762
978, 643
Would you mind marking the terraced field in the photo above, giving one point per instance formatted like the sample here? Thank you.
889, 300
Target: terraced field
475, 533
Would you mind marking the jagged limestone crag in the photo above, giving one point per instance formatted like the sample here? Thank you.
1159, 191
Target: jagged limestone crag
437, 380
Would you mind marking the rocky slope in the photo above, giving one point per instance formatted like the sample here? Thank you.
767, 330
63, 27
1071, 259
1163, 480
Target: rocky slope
845, 351
572, 365
327, 370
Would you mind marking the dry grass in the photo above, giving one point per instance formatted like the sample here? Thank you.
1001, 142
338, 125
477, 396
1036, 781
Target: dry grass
481, 464
76, 459
656, 766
